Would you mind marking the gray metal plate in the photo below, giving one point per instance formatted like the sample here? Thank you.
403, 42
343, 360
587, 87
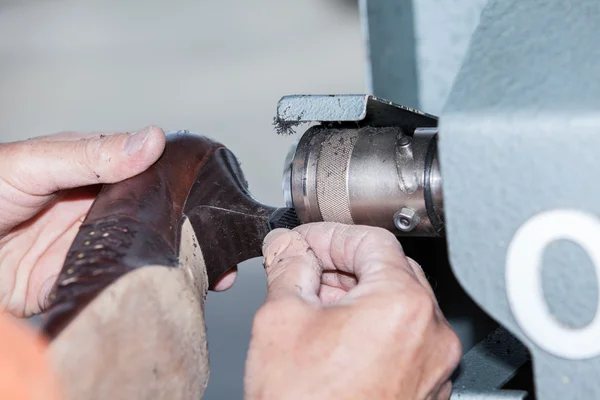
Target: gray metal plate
360, 108
518, 151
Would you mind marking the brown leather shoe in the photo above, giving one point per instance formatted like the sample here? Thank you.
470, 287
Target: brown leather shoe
126, 318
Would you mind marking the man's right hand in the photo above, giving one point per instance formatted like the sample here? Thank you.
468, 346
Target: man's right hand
347, 316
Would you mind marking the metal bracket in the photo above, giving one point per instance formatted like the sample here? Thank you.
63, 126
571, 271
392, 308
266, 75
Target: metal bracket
364, 110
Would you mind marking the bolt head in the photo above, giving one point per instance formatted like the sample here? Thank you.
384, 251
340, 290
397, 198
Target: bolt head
404, 140
406, 219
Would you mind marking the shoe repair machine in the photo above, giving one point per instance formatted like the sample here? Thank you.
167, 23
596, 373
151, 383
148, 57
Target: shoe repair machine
506, 175
495, 198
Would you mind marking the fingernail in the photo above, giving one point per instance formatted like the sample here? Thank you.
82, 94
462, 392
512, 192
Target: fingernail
45, 291
135, 141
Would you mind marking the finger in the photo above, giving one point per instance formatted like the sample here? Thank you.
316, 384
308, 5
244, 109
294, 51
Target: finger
291, 266
373, 255
48, 268
331, 295
72, 135
56, 229
41, 167
339, 280
417, 270
358, 250
226, 281
445, 391
420, 274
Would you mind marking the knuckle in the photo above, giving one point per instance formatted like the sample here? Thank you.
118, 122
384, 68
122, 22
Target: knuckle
89, 153
379, 236
425, 312
414, 308
453, 348
105, 152
415, 266
378, 240
99, 151
95, 152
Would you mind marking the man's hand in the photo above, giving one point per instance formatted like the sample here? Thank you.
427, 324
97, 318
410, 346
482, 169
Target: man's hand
347, 316
47, 186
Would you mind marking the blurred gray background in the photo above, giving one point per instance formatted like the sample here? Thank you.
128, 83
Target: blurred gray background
214, 67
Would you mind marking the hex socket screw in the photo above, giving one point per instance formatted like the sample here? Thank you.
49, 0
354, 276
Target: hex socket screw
406, 219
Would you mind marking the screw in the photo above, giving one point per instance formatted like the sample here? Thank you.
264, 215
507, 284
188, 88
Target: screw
404, 146
406, 219
404, 140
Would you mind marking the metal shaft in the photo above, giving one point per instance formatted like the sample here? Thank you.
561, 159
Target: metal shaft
377, 176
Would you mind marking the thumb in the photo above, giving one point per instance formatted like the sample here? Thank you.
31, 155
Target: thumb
292, 267
42, 167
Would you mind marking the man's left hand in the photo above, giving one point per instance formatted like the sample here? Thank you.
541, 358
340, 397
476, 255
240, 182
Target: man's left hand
47, 186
